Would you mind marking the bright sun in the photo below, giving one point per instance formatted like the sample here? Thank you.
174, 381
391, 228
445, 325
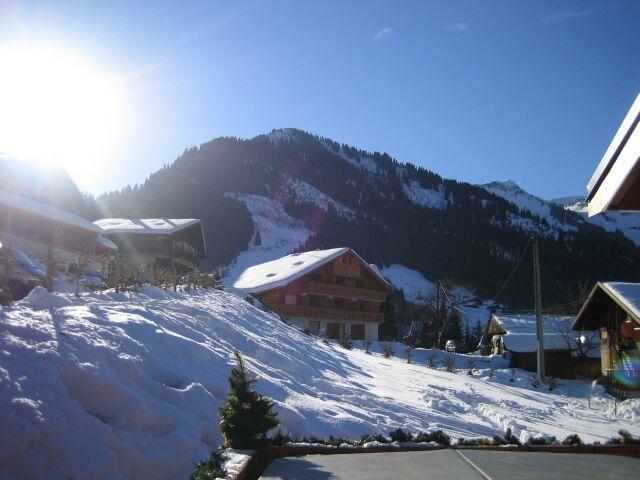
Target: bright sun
57, 107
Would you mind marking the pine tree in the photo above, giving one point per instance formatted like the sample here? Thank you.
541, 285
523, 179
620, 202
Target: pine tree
257, 240
247, 416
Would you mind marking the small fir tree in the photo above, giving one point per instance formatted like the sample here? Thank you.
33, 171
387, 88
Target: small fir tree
257, 240
387, 350
431, 358
408, 352
346, 342
211, 469
449, 363
247, 416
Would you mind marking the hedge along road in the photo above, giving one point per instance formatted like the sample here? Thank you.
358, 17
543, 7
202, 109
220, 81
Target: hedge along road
454, 464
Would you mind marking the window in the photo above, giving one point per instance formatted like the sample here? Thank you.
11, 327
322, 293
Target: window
315, 301
340, 303
316, 277
359, 283
340, 280
290, 299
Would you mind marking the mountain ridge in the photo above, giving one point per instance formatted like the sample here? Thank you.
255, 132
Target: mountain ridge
289, 180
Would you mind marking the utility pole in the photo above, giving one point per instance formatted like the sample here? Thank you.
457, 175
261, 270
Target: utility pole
538, 300
437, 317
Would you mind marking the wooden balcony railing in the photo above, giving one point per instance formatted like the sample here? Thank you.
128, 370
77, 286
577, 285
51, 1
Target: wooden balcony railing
317, 312
346, 292
346, 270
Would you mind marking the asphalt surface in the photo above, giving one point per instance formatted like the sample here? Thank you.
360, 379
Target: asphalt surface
454, 464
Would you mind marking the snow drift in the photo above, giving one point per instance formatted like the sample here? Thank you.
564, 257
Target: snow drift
128, 386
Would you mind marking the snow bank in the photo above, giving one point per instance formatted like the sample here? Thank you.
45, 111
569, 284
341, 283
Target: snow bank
122, 386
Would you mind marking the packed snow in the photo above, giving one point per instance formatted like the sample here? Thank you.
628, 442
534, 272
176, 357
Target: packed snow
128, 385
280, 234
426, 197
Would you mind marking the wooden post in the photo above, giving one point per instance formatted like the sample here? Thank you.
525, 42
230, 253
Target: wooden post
118, 272
538, 302
173, 264
51, 266
436, 320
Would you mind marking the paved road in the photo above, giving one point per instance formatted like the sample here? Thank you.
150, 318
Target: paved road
452, 464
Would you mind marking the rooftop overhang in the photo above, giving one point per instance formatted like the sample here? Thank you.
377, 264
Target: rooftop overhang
131, 235
592, 315
615, 185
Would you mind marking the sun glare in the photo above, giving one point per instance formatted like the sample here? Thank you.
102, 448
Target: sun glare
59, 108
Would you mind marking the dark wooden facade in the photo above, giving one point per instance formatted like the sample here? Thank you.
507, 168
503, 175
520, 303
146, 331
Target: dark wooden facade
619, 328
342, 296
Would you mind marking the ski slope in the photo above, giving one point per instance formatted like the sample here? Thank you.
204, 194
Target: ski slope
128, 386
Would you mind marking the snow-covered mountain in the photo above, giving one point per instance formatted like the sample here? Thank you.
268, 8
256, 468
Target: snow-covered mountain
627, 223
301, 191
115, 386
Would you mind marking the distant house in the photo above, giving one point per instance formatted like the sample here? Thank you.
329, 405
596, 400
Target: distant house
615, 185
566, 354
613, 308
57, 239
149, 245
333, 292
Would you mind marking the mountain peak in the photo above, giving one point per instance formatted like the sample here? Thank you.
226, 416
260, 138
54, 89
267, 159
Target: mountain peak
507, 185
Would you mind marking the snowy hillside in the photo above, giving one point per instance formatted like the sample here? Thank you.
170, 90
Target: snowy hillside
511, 191
627, 223
280, 234
124, 386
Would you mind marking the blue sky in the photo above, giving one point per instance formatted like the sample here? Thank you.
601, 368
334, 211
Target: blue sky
474, 90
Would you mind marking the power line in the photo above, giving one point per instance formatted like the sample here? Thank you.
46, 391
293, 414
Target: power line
524, 250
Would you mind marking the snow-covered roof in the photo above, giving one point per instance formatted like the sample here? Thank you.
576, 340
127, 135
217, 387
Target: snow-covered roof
612, 176
627, 293
106, 243
158, 226
521, 335
282, 271
40, 209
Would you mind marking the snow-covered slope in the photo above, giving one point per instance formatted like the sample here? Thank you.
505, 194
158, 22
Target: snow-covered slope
415, 286
280, 234
627, 222
127, 386
511, 191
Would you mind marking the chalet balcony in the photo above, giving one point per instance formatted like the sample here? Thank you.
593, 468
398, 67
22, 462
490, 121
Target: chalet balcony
329, 313
346, 292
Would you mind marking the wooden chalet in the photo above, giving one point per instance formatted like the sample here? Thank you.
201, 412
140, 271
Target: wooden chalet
613, 309
55, 238
150, 245
566, 354
615, 185
328, 292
